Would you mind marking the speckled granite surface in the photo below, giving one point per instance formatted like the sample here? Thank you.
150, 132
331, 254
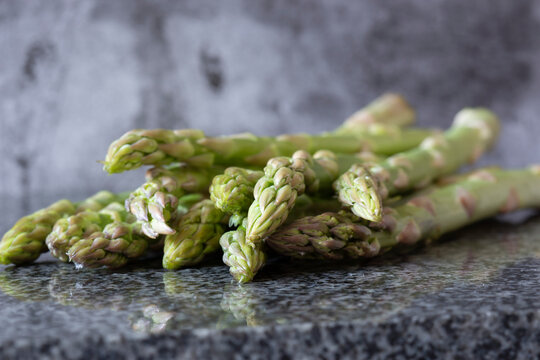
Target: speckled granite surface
474, 295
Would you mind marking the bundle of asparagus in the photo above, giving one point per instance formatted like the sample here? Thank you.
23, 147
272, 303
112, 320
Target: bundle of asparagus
331, 196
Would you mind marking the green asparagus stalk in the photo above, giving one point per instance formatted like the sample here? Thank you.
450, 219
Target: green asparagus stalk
388, 109
287, 178
25, 241
250, 150
484, 193
155, 202
160, 147
197, 235
244, 259
364, 188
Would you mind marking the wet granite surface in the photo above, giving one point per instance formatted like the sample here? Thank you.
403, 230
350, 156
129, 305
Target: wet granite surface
473, 295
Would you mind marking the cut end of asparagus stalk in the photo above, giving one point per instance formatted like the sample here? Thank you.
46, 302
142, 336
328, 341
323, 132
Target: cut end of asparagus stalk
358, 189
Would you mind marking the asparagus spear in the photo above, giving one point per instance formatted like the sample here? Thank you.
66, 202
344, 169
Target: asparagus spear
160, 147
364, 188
198, 235
111, 247
287, 178
25, 241
389, 109
95, 238
109, 237
480, 195
201, 227
244, 259
250, 150
232, 191
155, 202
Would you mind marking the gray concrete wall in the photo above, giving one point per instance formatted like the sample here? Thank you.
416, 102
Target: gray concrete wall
75, 75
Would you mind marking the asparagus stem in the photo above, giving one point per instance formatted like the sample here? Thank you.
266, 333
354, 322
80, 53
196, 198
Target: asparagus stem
160, 147
155, 202
482, 194
198, 235
364, 188
25, 241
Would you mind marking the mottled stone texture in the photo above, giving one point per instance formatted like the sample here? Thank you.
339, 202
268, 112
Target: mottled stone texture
74, 75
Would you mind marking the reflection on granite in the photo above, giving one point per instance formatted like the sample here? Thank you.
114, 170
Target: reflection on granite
485, 271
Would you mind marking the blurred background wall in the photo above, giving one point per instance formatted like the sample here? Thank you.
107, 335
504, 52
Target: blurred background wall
76, 74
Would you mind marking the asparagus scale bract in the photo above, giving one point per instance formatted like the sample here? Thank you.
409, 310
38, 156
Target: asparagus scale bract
25, 241
364, 188
482, 194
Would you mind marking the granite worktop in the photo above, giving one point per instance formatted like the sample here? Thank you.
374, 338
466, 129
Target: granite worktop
472, 295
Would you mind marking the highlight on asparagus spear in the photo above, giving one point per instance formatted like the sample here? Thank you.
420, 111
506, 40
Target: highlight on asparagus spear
25, 241
388, 109
287, 178
160, 147
232, 191
197, 235
155, 202
482, 194
244, 259
364, 188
